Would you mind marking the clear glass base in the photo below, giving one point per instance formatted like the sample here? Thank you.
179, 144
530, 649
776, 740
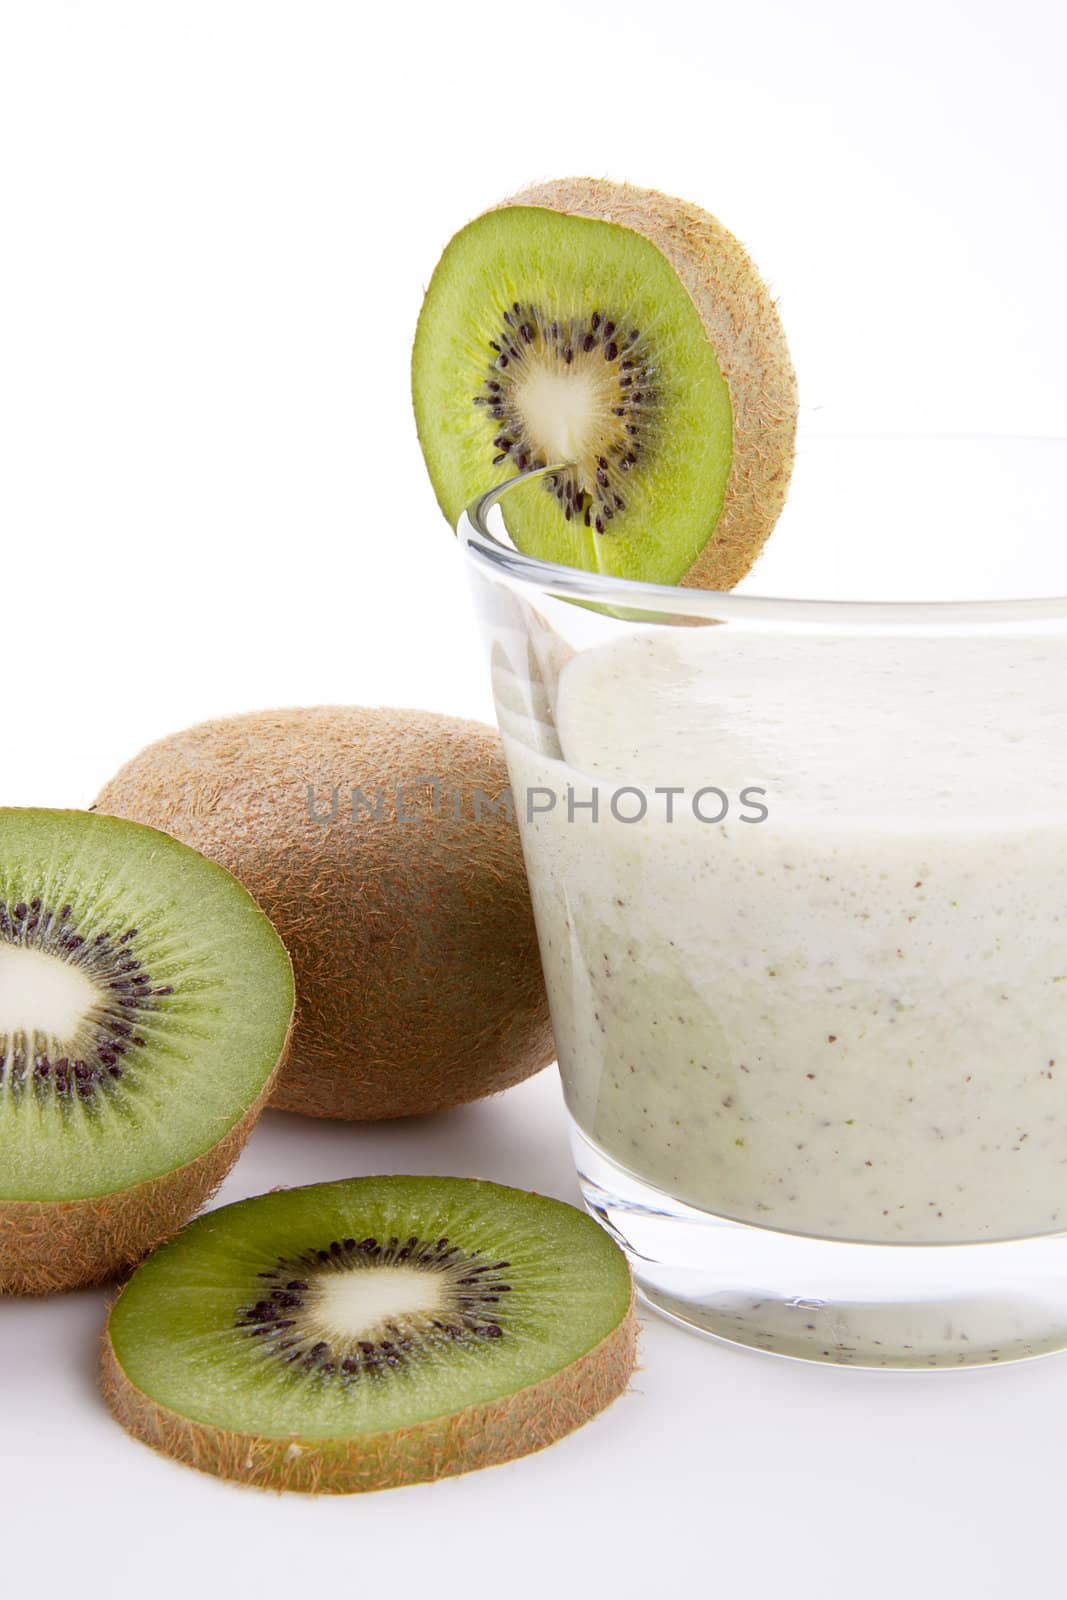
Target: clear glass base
856, 1305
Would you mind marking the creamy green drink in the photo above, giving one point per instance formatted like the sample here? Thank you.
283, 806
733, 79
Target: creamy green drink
838, 1007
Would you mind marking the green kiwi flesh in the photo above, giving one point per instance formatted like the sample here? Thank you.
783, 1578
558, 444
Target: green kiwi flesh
371, 1332
145, 1002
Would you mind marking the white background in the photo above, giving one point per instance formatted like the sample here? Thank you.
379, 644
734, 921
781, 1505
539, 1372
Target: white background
216, 220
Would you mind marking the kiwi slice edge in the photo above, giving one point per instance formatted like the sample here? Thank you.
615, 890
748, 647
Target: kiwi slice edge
225, 1350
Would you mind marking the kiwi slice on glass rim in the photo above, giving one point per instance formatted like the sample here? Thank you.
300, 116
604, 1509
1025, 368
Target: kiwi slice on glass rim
627, 339
145, 1002
371, 1333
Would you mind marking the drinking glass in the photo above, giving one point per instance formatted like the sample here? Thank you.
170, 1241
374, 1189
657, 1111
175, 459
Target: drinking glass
797, 856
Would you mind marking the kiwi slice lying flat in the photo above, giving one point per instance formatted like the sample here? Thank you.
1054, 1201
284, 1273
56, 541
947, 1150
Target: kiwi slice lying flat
371, 1333
144, 1005
628, 338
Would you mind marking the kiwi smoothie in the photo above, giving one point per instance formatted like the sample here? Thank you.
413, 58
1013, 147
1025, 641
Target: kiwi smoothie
847, 1018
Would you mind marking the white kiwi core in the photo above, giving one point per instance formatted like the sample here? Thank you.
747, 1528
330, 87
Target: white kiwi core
565, 410
361, 1304
42, 994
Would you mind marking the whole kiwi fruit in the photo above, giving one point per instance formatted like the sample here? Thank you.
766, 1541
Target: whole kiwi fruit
380, 844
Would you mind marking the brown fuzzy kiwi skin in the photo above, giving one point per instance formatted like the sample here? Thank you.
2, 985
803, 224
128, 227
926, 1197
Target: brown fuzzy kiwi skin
50, 1247
743, 328
418, 978
480, 1436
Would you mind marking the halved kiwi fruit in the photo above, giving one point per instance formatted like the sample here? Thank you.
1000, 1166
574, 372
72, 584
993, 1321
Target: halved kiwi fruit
371, 1333
628, 339
145, 1002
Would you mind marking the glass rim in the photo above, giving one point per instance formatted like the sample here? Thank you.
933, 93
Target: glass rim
492, 555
